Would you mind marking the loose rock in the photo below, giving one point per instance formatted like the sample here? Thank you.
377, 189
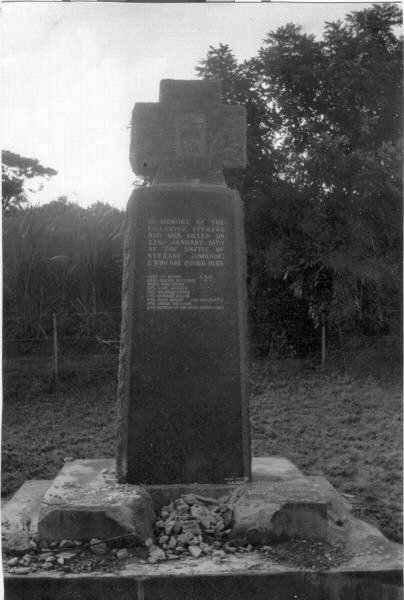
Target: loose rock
156, 554
195, 551
67, 555
21, 571
98, 547
27, 558
163, 539
50, 559
193, 520
206, 549
44, 556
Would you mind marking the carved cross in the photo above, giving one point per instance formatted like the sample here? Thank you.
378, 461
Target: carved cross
188, 136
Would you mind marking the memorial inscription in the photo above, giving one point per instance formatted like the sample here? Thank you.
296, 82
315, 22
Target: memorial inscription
182, 382
174, 247
185, 242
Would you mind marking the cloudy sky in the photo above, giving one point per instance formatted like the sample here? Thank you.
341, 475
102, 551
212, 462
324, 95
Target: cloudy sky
72, 72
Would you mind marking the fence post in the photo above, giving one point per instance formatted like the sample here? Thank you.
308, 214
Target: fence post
323, 340
55, 350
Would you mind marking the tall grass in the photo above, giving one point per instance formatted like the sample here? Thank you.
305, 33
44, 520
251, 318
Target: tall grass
60, 258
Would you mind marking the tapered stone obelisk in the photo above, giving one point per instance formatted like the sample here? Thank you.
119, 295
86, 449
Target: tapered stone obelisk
183, 412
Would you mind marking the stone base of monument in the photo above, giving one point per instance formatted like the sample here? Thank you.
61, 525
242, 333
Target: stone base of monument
84, 501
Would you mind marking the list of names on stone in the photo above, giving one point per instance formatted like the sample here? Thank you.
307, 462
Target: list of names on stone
178, 292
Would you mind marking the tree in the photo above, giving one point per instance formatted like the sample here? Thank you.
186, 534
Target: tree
16, 170
241, 85
329, 213
339, 100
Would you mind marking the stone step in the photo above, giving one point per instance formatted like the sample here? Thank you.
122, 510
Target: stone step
85, 502
263, 469
212, 583
337, 502
19, 516
275, 468
78, 503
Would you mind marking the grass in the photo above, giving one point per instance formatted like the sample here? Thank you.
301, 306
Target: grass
347, 425
41, 427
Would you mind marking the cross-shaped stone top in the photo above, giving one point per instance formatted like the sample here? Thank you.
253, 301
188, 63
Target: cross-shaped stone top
188, 136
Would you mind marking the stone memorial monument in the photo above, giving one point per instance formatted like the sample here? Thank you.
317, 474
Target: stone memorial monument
183, 414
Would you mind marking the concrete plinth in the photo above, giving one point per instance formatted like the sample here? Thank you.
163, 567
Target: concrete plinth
85, 502
19, 517
372, 569
247, 578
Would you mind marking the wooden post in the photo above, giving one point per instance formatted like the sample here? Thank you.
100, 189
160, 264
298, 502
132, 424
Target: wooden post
323, 344
55, 349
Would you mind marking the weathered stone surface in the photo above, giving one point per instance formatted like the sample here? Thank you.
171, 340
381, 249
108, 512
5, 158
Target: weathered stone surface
188, 136
338, 508
365, 543
84, 503
268, 511
182, 393
183, 414
238, 578
19, 519
336, 500
274, 468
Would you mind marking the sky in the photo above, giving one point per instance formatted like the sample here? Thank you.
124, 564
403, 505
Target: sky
72, 72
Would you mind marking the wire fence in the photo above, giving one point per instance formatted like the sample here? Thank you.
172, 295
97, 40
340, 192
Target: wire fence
61, 342
52, 344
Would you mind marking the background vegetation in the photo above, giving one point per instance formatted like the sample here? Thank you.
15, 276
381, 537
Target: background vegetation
322, 194
323, 186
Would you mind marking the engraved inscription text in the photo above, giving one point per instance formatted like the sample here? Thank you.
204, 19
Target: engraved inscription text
185, 243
